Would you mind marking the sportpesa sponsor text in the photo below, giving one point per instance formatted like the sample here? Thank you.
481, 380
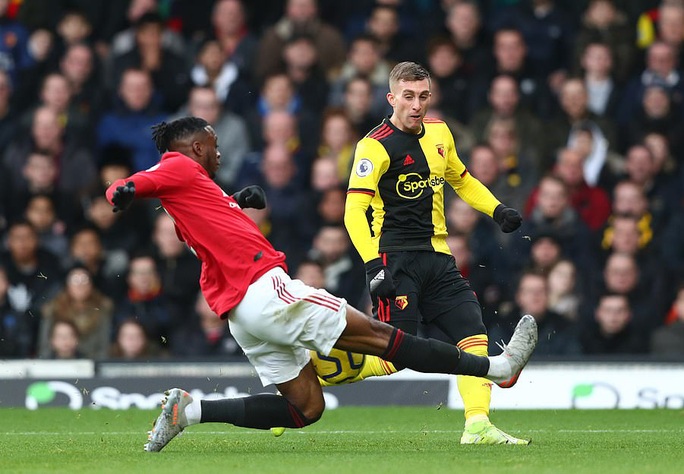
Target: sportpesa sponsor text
412, 185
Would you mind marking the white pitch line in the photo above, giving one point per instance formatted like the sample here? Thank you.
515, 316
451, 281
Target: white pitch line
307, 432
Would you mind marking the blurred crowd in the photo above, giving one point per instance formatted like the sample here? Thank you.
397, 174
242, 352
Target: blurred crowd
570, 110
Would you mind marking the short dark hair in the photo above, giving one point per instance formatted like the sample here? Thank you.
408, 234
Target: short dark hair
164, 133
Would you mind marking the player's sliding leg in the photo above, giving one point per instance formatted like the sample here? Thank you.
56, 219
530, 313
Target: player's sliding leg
180, 410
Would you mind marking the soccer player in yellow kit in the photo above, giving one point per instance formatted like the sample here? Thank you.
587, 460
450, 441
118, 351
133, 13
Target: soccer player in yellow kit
400, 169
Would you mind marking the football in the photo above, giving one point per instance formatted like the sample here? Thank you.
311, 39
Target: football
338, 367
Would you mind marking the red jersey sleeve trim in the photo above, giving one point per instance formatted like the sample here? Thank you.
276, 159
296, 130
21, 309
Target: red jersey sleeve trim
369, 192
465, 172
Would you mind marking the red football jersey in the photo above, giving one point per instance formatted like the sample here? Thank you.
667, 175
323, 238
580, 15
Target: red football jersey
233, 251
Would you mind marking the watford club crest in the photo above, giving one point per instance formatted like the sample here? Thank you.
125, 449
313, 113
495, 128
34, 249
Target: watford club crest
401, 302
440, 150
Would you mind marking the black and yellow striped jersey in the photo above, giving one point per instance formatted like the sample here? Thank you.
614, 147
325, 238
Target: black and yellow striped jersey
402, 176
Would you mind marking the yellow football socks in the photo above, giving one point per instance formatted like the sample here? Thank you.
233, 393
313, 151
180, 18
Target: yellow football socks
475, 391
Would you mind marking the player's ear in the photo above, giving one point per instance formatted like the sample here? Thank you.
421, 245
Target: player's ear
391, 99
197, 148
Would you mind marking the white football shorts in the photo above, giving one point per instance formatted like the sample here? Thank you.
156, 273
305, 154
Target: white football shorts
280, 319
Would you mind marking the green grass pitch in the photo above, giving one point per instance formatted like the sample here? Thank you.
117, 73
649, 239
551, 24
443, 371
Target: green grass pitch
347, 440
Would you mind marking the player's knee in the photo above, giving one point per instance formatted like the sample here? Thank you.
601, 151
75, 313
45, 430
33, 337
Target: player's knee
313, 411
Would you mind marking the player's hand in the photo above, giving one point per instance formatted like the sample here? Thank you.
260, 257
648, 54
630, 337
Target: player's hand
379, 279
252, 196
508, 218
123, 196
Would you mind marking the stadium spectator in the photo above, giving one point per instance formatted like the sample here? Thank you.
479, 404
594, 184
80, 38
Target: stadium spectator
145, 300
669, 338
364, 59
597, 71
167, 69
301, 17
178, 268
79, 66
204, 334
622, 276
557, 335
40, 178
231, 86
575, 116
267, 121
395, 46
357, 103
8, 112
549, 34
445, 63
592, 203
546, 250
640, 169
330, 206
661, 69
302, 65
555, 214
124, 40
670, 26
35, 274
310, 272
63, 342
106, 268
656, 114
86, 307
665, 159
671, 248
112, 228
516, 159
15, 55
56, 94
338, 138
231, 31
603, 21
131, 343
343, 270
463, 22
18, 330
482, 278
504, 104
612, 331
462, 219
324, 175
564, 292
291, 230
129, 122
509, 55
501, 180
76, 168
41, 214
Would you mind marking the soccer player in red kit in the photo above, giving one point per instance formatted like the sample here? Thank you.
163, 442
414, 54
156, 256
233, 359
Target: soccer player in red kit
276, 320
